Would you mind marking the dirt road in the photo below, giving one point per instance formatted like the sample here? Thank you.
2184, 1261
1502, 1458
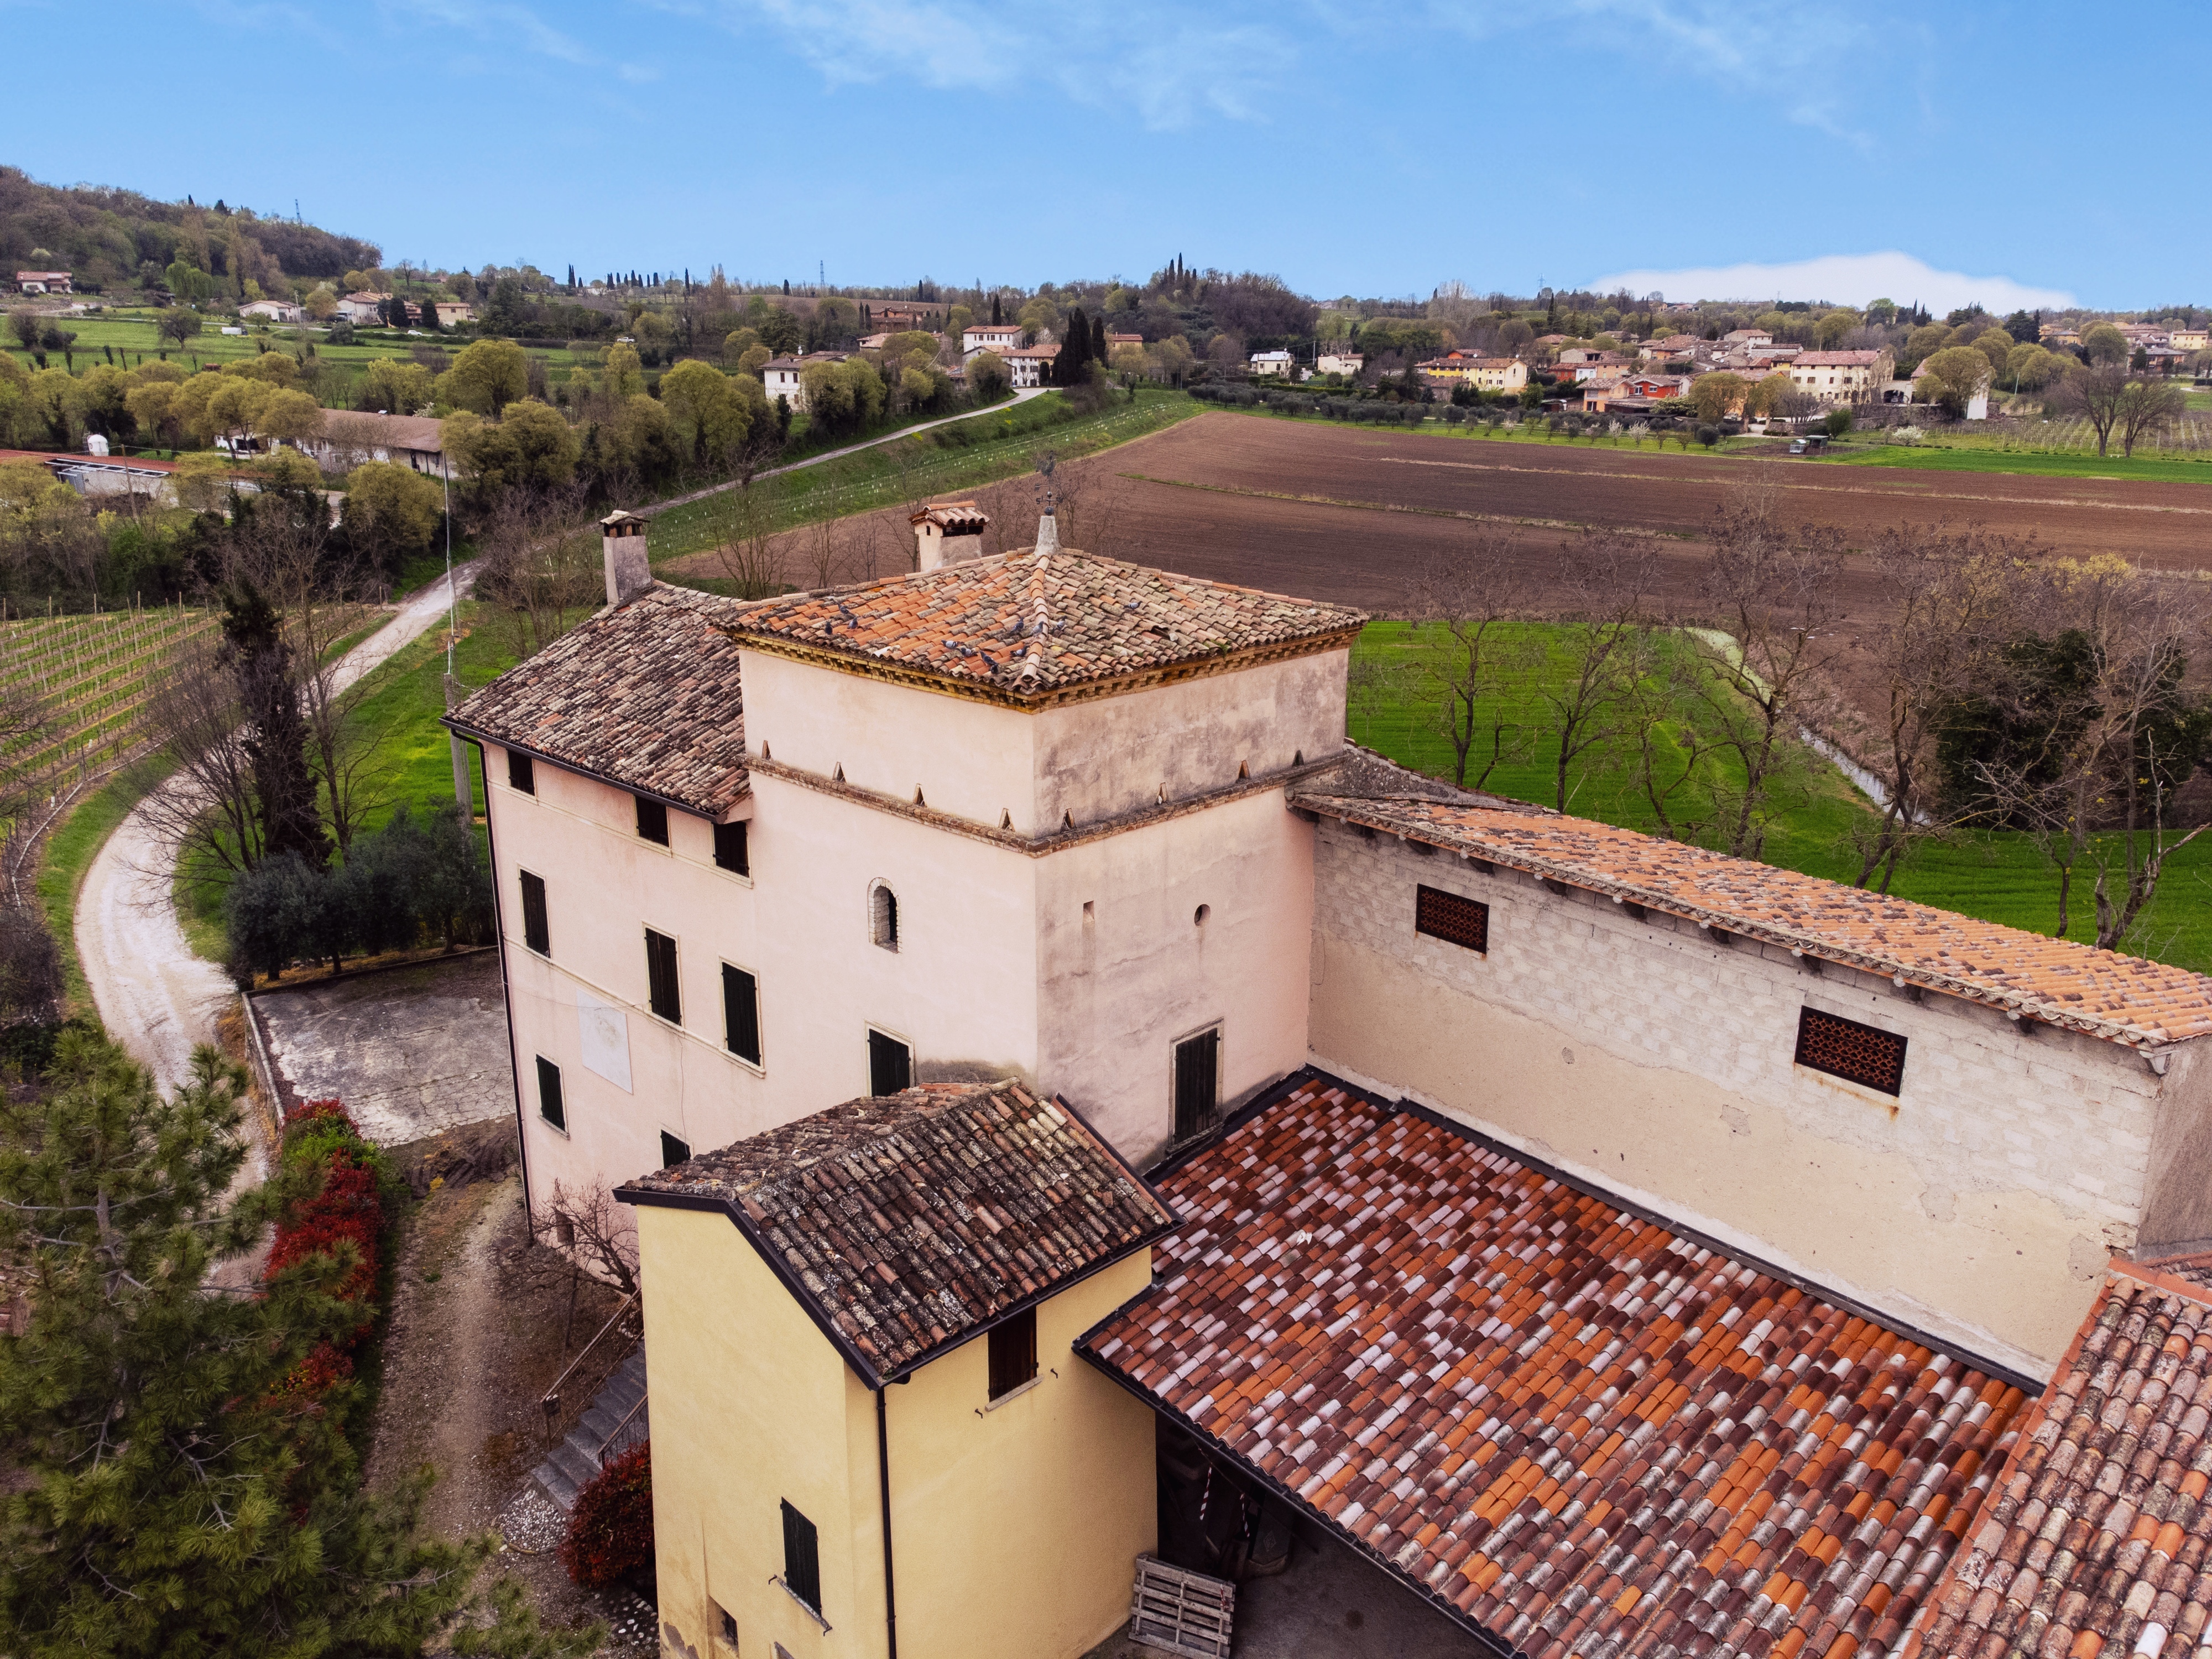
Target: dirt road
156, 997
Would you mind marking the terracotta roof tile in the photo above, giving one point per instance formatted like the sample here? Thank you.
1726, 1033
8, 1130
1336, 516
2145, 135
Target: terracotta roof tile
644, 694
1029, 626
2121, 998
908, 1221
2097, 1538
1574, 1428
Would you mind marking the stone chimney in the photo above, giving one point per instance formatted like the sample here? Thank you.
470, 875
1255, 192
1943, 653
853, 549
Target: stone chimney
622, 538
1047, 533
946, 533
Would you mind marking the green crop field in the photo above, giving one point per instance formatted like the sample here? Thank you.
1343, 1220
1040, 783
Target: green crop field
994, 444
1998, 876
1950, 457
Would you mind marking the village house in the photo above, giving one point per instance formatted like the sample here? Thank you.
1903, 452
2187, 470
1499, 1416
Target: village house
1279, 364
784, 377
1030, 366
1345, 363
42, 282
1029, 1034
275, 311
1842, 377
1743, 339
1484, 374
1000, 338
348, 438
454, 312
2190, 337
1112, 340
363, 307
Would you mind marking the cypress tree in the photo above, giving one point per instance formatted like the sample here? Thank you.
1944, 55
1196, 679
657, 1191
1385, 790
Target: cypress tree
994, 310
254, 650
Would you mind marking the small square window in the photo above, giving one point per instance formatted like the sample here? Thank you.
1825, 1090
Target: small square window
665, 995
521, 772
673, 1152
802, 1560
1013, 1352
551, 1106
726, 1628
652, 821
729, 851
1452, 918
535, 933
741, 1013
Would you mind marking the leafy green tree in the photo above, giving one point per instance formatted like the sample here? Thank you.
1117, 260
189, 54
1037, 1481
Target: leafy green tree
2024, 326
391, 511
1828, 333
2105, 344
622, 375
1715, 396
24, 324
1996, 345
1952, 378
486, 377
188, 282
177, 324
710, 413
181, 1490
1920, 345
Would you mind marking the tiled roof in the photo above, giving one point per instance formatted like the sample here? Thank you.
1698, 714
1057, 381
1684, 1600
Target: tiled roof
2097, 1539
1026, 628
908, 1221
645, 695
953, 518
1570, 1426
1838, 358
346, 429
2121, 998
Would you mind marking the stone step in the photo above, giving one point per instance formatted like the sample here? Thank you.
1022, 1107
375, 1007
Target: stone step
557, 1483
573, 1461
620, 1392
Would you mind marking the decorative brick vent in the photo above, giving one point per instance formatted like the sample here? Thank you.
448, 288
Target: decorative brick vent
1452, 919
1864, 1054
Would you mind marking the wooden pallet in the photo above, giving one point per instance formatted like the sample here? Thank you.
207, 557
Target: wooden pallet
1179, 1612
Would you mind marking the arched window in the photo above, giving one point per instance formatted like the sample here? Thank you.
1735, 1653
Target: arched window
883, 917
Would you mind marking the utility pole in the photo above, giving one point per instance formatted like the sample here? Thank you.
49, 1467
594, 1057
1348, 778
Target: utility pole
463, 795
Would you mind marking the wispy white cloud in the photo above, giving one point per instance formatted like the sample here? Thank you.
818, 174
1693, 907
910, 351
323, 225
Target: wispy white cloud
1767, 50
1847, 278
1167, 63
508, 23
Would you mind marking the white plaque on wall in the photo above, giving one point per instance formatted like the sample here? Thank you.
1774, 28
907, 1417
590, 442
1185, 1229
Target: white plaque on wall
605, 1037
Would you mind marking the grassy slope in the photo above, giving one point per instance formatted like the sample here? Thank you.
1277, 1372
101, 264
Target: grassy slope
1996, 877
994, 444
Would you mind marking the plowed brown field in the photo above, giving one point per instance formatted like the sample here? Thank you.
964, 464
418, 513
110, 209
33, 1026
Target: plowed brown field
1344, 513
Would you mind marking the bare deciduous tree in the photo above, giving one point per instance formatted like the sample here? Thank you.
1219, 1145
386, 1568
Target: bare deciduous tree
1773, 594
542, 564
209, 814
595, 1231
1471, 594
1609, 578
1952, 593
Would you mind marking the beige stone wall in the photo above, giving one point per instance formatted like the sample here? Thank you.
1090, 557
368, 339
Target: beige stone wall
1981, 1205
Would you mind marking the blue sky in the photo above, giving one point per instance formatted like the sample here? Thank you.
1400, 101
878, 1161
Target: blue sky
1348, 146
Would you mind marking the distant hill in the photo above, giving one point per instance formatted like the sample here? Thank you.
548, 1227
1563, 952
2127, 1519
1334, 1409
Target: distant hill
106, 238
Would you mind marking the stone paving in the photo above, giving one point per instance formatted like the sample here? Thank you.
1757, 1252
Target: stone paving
411, 1051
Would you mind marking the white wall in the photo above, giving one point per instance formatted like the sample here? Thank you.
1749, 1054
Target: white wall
1982, 1203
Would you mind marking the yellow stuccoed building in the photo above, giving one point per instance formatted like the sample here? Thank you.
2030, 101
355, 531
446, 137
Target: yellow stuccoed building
870, 1434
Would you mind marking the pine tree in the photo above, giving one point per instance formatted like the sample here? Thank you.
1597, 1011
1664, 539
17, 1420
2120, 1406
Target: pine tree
277, 737
179, 1493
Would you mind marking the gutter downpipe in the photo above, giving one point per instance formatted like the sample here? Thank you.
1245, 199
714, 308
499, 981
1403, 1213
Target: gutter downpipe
883, 1481
506, 989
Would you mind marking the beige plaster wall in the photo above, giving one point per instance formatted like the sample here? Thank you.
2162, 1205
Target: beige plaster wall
1015, 1526
751, 1407
1981, 1205
1121, 983
603, 888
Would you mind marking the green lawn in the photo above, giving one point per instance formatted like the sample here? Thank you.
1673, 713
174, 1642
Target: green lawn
1945, 458
1998, 876
994, 444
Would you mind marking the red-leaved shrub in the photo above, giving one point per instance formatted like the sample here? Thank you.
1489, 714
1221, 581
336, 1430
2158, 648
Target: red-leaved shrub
610, 1535
320, 1134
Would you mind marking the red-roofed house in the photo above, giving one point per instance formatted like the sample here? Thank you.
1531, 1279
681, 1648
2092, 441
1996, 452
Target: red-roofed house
42, 282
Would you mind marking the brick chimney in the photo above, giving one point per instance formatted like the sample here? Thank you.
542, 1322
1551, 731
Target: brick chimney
622, 538
947, 532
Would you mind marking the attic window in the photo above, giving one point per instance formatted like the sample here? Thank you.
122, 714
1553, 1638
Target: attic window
883, 917
652, 821
1452, 918
1014, 1353
1864, 1054
521, 772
